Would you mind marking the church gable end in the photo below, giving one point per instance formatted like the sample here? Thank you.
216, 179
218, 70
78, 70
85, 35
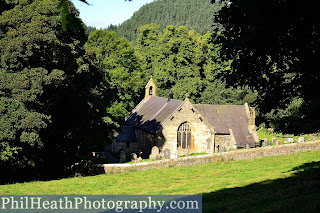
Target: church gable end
185, 131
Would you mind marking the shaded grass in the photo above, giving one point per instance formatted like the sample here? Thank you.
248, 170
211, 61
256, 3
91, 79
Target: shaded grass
257, 185
299, 192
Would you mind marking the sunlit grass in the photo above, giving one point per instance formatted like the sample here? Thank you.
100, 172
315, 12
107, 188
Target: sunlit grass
176, 180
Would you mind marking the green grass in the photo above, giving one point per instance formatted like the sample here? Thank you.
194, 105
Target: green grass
143, 160
281, 137
270, 184
195, 154
264, 132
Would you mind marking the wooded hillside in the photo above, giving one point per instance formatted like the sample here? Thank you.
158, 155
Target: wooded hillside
171, 12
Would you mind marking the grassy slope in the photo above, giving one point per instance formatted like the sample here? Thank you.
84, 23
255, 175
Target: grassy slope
267, 184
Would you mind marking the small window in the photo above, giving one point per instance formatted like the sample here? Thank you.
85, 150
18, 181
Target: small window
150, 90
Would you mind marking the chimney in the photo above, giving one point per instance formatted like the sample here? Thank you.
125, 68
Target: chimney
170, 95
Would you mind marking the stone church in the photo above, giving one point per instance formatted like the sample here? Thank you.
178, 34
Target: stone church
185, 128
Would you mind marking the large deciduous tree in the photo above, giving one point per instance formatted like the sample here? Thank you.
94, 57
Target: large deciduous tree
117, 62
45, 87
275, 46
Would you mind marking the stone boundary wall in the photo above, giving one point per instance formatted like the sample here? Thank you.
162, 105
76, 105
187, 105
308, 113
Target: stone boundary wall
285, 149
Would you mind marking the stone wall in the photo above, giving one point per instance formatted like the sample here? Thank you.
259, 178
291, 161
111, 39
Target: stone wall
217, 157
145, 142
127, 147
225, 142
202, 134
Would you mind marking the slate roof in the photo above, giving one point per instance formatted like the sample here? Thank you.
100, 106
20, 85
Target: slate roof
225, 117
149, 114
127, 134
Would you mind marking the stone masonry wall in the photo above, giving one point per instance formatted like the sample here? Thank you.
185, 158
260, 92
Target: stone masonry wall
145, 142
202, 133
117, 146
217, 157
225, 142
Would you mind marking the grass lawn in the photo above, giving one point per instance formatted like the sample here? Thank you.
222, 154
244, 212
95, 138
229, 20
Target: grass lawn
272, 184
279, 136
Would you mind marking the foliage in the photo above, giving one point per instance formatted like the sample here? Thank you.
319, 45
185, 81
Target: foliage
116, 60
187, 63
170, 12
90, 29
276, 53
270, 184
45, 89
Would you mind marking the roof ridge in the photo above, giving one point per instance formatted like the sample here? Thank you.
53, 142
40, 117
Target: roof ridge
222, 104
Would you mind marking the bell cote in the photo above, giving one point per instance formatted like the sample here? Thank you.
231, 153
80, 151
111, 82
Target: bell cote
150, 89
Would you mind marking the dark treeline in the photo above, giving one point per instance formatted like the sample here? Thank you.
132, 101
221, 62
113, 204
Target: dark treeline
275, 50
195, 15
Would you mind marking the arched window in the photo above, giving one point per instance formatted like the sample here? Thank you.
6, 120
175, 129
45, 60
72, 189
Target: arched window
150, 90
184, 136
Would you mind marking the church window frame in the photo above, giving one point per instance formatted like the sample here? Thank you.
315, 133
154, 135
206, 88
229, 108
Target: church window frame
184, 135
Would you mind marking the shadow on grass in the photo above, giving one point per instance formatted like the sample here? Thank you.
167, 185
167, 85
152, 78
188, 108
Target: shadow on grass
298, 193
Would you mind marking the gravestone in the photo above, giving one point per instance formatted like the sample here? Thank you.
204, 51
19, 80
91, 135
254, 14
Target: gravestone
287, 135
154, 152
269, 143
166, 153
279, 142
157, 157
290, 140
247, 146
174, 155
300, 139
123, 157
134, 157
274, 141
265, 141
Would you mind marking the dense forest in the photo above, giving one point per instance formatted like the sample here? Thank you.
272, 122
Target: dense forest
171, 12
51, 99
274, 46
64, 93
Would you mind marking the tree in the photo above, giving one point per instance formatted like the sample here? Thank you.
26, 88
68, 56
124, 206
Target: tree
187, 63
195, 15
274, 45
90, 29
117, 62
45, 87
